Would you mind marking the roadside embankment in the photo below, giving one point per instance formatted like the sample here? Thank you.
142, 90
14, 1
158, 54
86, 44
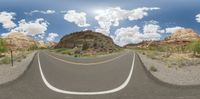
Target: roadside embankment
9, 73
184, 76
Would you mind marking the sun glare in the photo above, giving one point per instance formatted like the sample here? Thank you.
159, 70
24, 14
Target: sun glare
98, 11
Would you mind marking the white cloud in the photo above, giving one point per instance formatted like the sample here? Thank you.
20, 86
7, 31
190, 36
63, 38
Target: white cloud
133, 35
198, 18
39, 26
6, 19
40, 11
173, 29
41, 36
51, 37
79, 18
4, 34
127, 35
152, 28
111, 16
139, 13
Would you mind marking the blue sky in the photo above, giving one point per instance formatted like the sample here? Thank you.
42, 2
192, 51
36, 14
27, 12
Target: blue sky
171, 13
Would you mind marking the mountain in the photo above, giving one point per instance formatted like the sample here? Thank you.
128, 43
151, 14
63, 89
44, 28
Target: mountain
17, 40
183, 35
88, 41
43, 44
180, 37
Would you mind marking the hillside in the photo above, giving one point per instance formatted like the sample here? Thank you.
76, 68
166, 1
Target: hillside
181, 37
88, 41
20, 41
17, 40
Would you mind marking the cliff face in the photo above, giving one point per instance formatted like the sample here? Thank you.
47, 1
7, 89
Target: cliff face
19, 40
183, 35
180, 37
88, 40
43, 44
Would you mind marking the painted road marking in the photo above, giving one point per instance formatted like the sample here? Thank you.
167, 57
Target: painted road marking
123, 85
78, 63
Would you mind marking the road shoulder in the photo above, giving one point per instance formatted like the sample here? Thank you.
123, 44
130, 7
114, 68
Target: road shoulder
185, 76
9, 73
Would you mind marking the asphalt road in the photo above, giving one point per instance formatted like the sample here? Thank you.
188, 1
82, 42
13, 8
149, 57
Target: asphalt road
53, 76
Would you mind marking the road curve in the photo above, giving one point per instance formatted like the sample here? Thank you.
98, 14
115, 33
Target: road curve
92, 78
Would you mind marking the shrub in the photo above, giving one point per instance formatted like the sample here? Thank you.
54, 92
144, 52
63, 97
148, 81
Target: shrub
24, 56
61, 49
76, 55
6, 60
85, 46
195, 47
153, 68
19, 60
3, 47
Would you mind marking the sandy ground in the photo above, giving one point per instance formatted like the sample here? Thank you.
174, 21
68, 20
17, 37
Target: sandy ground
187, 75
9, 73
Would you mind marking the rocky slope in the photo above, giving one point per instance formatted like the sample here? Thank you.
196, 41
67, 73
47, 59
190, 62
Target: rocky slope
43, 44
19, 40
88, 41
183, 35
180, 37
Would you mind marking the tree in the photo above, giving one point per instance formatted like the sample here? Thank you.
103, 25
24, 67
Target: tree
85, 46
195, 47
3, 47
33, 47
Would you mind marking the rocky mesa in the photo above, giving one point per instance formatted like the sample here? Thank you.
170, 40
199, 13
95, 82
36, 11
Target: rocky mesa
179, 37
20, 41
88, 41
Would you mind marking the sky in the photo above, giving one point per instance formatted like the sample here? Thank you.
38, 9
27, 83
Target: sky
125, 21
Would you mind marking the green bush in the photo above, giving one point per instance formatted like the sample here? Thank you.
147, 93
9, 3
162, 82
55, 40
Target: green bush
19, 60
3, 47
6, 60
153, 68
76, 55
24, 56
61, 50
195, 47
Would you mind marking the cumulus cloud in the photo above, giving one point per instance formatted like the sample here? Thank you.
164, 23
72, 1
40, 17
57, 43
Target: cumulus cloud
152, 32
111, 16
6, 19
51, 36
198, 18
173, 29
4, 34
41, 36
79, 18
39, 26
127, 35
40, 11
134, 35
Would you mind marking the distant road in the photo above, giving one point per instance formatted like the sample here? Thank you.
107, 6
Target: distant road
120, 76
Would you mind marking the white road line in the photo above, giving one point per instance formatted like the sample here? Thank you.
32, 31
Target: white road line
123, 85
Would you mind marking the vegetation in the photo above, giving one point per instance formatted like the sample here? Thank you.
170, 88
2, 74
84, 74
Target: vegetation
174, 54
5, 60
195, 47
3, 47
33, 47
76, 52
153, 68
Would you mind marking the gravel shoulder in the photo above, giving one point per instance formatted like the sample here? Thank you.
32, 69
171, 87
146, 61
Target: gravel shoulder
9, 73
184, 76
